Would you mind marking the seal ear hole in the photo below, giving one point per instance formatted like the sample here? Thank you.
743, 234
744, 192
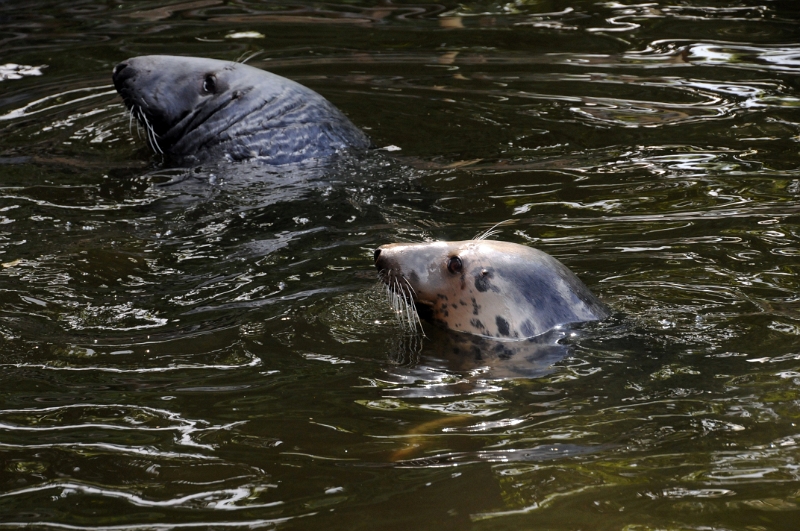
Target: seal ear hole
209, 84
454, 265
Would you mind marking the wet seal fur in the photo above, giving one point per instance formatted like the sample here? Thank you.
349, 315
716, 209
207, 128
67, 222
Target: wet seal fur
488, 288
195, 110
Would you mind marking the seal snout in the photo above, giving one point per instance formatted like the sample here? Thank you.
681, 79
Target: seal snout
381, 259
121, 73
387, 271
123, 77
119, 68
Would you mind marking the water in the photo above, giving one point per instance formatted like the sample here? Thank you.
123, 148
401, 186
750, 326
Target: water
212, 350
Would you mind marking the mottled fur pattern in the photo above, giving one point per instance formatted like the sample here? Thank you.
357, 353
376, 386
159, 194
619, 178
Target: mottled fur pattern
488, 288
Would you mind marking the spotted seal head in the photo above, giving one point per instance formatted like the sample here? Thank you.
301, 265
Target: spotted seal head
195, 110
485, 287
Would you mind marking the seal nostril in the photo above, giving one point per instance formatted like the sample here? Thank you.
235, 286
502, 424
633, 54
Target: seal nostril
377, 254
119, 68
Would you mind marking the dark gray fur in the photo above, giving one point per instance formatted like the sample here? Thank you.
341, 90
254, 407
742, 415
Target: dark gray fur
205, 109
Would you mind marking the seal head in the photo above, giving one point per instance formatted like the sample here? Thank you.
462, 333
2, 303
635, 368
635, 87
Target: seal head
488, 288
195, 110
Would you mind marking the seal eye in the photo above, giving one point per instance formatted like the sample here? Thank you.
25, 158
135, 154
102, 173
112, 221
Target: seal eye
209, 84
454, 264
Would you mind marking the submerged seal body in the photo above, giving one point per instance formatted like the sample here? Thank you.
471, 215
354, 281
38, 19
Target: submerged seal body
195, 110
488, 288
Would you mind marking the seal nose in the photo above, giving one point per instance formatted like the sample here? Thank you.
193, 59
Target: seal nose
377, 254
121, 73
119, 68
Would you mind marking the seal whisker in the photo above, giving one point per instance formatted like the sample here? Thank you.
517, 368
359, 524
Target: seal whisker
414, 319
398, 302
136, 112
402, 305
155, 139
493, 230
401, 298
147, 132
149, 137
243, 59
410, 287
151, 134
392, 296
411, 309
141, 121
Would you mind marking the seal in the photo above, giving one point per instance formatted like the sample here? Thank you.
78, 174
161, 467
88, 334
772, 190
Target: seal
196, 110
484, 287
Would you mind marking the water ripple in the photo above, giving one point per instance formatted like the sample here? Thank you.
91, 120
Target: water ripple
221, 500
245, 524
721, 53
163, 330
117, 417
80, 448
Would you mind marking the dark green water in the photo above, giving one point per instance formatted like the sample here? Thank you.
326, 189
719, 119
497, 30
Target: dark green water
217, 355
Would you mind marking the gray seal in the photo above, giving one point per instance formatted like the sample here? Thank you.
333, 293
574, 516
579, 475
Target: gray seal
196, 110
488, 288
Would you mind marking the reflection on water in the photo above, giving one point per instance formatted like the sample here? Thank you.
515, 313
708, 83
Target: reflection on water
208, 348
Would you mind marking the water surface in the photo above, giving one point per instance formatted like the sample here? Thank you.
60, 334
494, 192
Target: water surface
211, 349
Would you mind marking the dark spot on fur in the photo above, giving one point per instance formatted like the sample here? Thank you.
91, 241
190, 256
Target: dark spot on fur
455, 306
475, 307
502, 326
413, 277
476, 323
482, 283
502, 351
441, 296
